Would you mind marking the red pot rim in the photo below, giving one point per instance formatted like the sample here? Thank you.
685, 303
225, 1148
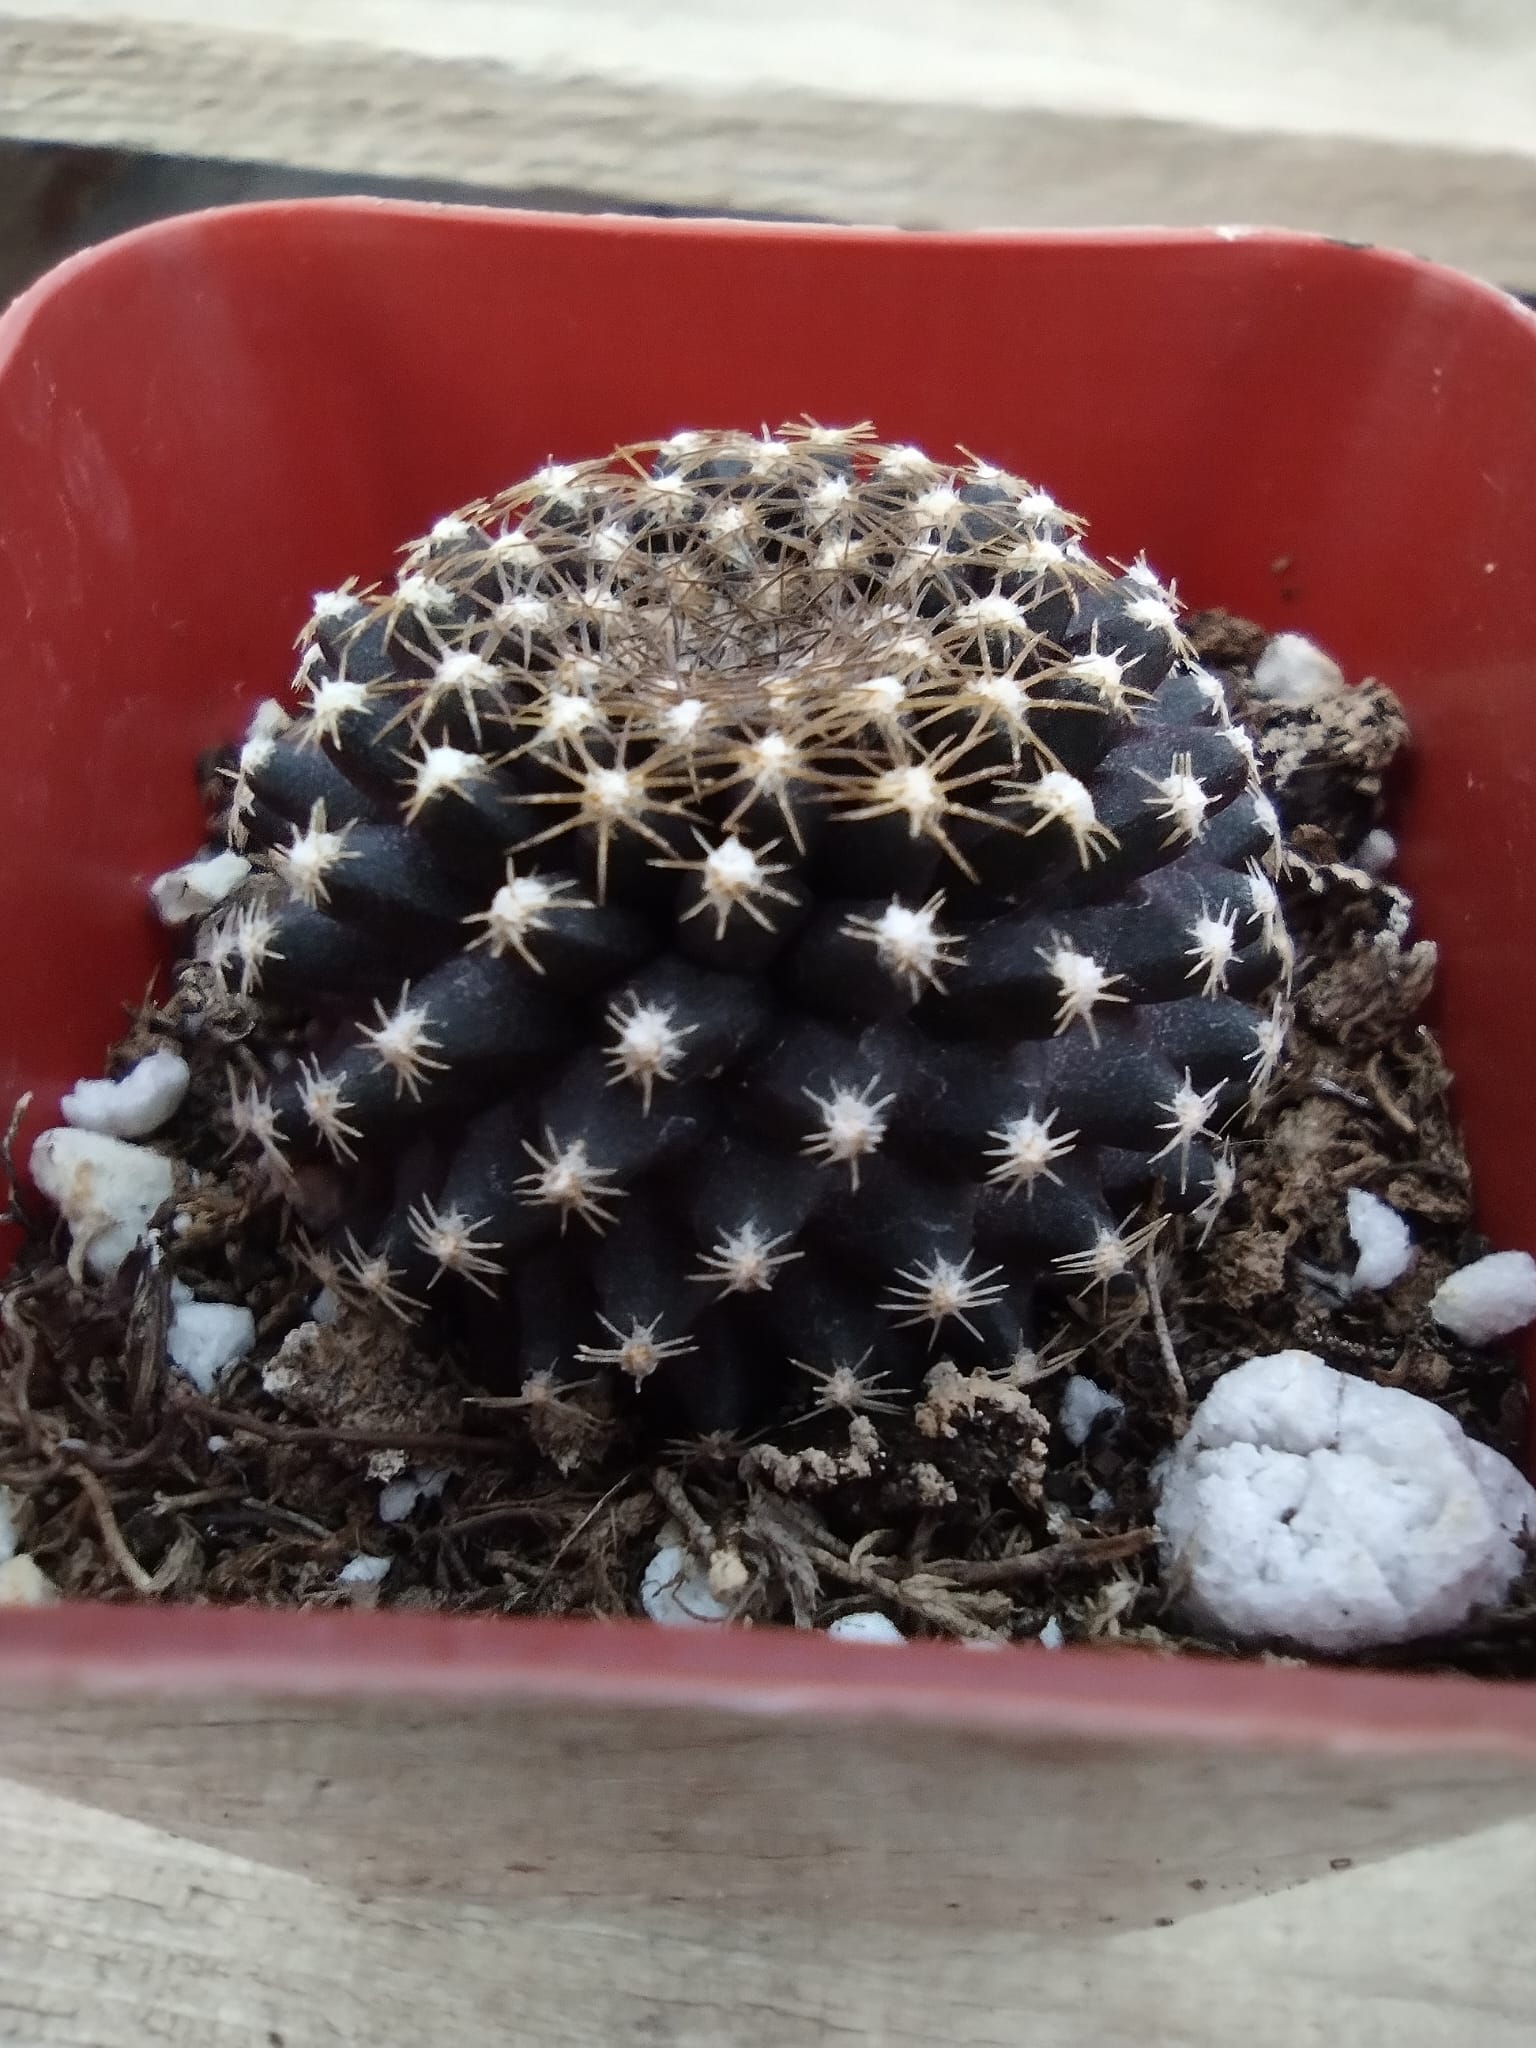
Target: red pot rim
1022, 1691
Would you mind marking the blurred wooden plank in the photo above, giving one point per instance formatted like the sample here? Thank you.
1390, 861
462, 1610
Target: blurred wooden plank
118, 1933
1407, 123
745, 1813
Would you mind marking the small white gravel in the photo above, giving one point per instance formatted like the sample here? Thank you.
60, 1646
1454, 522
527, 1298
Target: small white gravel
105, 1189
146, 1097
206, 1338
24, 1583
1376, 853
1305, 1506
1051, 1637
1491, 1298
865, 1627
1083, 1403
363, 1571
1381, 1238
400, 1496
197, 886
675, 1590
1294, 670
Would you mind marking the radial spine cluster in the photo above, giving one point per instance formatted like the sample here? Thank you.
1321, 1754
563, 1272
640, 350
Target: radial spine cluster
762, 907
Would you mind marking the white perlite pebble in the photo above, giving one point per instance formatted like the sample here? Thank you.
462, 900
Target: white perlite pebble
865, 1627
24, 1583
206, 1338
1491, 1298
1083, 1401
1382, 1239
400, 1496
105, 1190
148, 1095
675, 1591
1376, 852
197, 886
363, 1571
1294, 670
1052, 1636
1308, 1507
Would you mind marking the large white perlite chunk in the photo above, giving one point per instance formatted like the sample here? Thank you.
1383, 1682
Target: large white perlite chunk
675, 1591
197, 887
1382, 1241
1306, 1506
105, 1190
1294, 671
1491, 1298
206, 1338
147, 1096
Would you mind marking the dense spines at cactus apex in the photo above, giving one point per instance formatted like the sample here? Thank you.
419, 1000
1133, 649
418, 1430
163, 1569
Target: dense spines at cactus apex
779, 888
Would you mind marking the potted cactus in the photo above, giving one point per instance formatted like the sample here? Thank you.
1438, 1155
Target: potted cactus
751, 933
701, 888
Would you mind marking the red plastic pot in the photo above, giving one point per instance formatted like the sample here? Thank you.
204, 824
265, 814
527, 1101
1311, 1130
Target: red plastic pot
203, 422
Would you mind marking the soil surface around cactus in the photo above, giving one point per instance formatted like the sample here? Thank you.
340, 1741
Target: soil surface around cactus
343, 1440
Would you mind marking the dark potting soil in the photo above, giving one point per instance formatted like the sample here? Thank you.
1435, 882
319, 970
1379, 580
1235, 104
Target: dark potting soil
970, 1515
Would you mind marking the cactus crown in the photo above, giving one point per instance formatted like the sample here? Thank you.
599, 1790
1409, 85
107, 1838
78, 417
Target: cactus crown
784, 884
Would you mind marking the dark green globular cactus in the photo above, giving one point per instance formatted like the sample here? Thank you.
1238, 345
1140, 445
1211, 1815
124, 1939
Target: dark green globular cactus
770, 913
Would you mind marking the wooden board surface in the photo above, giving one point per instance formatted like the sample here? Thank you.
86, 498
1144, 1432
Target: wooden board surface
222, 1872
121, 1934
1411, 122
